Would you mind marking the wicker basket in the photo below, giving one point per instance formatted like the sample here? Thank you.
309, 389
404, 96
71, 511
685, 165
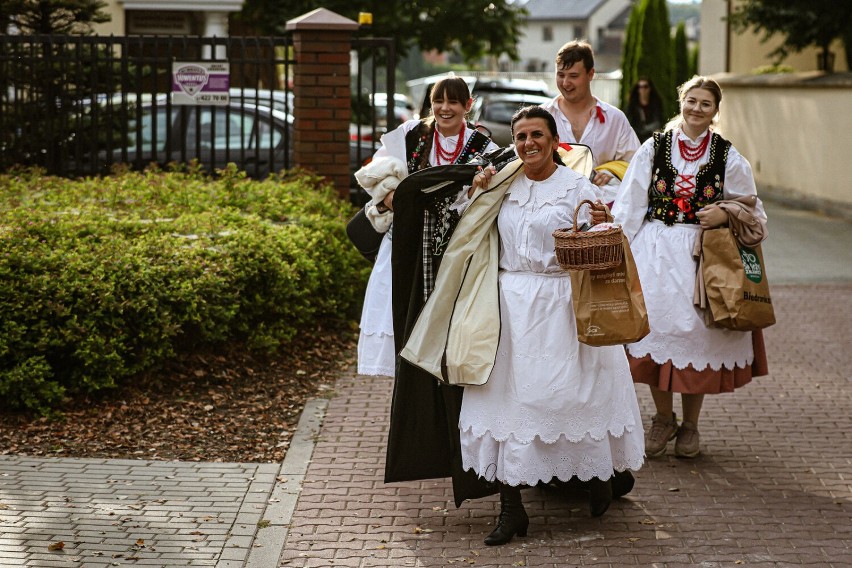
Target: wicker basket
588, 250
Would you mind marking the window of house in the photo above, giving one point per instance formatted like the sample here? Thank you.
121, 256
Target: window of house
547, 33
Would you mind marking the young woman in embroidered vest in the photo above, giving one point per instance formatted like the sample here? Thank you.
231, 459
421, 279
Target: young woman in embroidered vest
667, 193
442, 138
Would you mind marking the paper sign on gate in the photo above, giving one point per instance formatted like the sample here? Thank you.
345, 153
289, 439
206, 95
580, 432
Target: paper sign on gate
201, 83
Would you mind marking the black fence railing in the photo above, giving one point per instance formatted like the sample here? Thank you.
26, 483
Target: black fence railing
371, 55
77, 105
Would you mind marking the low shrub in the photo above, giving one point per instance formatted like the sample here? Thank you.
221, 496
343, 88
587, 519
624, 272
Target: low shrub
103, 278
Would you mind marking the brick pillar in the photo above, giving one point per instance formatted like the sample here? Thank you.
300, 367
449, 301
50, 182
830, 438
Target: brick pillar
322, 111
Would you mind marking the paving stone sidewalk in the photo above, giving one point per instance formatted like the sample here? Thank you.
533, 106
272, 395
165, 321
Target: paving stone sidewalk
773, 487
151, 513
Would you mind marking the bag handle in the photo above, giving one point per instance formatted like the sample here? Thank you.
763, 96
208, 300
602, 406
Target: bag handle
590, 203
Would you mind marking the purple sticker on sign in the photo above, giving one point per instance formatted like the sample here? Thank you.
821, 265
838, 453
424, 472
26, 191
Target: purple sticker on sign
191, 78
200, 83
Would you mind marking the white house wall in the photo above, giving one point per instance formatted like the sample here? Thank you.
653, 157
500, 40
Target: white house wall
602, 17
532, 46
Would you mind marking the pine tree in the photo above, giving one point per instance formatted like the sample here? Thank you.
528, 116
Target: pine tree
665, 73
632, 47
53, 16
654, 56
680, 65
693, 60
47, 94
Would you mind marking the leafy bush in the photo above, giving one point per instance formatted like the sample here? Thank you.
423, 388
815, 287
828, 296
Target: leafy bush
772, 69
103, 278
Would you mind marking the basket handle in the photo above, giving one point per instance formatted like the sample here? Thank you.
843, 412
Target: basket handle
588, 202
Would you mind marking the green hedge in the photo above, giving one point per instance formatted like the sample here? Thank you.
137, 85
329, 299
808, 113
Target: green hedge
103, 278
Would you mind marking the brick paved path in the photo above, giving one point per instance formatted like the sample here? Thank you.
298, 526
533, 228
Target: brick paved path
772, 488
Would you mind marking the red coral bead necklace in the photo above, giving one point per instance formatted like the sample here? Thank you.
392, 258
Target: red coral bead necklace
446, 156
692, 153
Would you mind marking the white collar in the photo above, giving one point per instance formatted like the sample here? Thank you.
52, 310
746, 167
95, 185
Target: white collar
548, 191
681, 135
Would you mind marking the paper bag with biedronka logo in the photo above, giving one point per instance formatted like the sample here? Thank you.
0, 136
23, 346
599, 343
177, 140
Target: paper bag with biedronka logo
735, 282
609, 306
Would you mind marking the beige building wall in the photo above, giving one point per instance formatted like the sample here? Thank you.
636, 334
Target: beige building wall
116, 26
713, 52
796, 130
723, 50
748, 53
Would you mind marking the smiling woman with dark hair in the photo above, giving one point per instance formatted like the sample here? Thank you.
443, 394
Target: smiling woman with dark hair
441, 138
544, 406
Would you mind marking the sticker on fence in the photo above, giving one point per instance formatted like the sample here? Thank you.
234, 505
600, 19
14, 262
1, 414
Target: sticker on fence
202, 83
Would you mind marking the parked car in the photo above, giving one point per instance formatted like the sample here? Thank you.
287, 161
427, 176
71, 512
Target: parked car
364, 130
403, 108
256, 138
420, 89
275, 99
361, 145
494, 111
252, 130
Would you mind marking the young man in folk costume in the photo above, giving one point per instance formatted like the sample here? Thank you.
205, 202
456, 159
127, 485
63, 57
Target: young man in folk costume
581, 118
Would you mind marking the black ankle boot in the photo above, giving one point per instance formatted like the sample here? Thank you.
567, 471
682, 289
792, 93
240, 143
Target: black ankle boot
622, 483
600, 496
513, 518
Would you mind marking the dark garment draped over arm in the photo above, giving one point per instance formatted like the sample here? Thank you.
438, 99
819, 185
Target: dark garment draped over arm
423, 438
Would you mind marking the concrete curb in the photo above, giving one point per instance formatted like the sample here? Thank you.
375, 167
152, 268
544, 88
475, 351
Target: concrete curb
269, 539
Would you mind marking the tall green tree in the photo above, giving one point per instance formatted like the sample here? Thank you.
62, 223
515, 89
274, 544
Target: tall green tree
474, 28
693, 60
801, 23
680, 65
654, 59
648, 52
73, 17
632, 45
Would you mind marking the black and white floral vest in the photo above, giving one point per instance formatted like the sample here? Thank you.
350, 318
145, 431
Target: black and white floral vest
666, 201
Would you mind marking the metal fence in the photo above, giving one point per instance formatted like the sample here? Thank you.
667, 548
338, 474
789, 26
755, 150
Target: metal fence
77, 105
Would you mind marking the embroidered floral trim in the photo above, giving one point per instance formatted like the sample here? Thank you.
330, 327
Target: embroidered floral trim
446, 221
414, 158
669, 205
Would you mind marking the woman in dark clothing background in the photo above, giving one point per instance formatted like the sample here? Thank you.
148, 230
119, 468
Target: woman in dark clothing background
645, 109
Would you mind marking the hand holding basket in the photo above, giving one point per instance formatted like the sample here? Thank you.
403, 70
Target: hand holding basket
588, 250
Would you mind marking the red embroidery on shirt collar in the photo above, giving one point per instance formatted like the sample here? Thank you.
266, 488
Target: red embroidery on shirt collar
600, 114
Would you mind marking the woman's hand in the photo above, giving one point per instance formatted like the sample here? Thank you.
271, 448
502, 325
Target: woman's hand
388, 200
482, 179
599, 214
712, 216
601, 178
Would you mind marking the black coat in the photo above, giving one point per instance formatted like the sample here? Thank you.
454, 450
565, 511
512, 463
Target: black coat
423, 439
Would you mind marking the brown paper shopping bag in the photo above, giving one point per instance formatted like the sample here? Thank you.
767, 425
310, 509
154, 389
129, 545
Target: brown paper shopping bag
735, 282
608, 304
